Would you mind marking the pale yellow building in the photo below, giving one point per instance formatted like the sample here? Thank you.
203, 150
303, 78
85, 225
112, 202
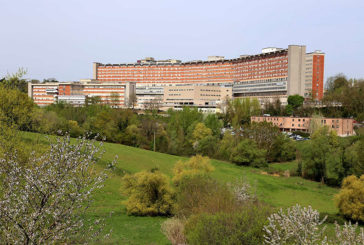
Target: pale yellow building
207, 98
342, 126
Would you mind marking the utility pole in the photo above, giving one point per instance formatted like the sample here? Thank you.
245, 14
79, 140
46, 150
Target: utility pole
154, 141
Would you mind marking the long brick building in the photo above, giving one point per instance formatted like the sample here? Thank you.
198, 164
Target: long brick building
274, 73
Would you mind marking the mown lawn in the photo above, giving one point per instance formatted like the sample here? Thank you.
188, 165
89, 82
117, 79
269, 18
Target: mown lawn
277, 191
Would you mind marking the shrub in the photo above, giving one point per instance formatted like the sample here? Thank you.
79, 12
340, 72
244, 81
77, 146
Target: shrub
195, 166
241, 227
296, 225
333, 218
173, 229
203, 195
350, 199
149, 194
242, 191
348, 234
301, 133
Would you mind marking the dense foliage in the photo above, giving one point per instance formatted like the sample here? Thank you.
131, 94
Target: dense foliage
149, 193
241, 227
350, 199
329, 158
197, 166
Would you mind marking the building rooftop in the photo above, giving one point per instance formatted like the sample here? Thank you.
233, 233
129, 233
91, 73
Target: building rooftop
217, 59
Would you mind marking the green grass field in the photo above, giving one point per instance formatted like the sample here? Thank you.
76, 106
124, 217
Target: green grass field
277, 191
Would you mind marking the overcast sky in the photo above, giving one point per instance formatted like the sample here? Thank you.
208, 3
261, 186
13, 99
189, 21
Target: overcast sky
60, 39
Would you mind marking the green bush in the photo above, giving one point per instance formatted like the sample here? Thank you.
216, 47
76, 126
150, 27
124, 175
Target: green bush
247, 153
303, 134
333, 218
149, 194
242, 227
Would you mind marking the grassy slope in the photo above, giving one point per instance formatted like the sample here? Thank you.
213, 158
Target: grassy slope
277, 191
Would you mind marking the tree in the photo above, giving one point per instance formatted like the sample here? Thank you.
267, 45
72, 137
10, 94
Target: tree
200, 132
346, 96
315, 123
297, 225
321, 159
207, 146
195, 166
153, 104
295, 101
239, 111
214, 123
225, 146
348, 234
15, 108
350, 199
148, 193
132, 101
44, 200
180, 127
15, 81
265, 134
247, 153
273, 109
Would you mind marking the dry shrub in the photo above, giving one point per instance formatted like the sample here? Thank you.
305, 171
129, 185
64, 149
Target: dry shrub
173, 229
204, 195
244, 226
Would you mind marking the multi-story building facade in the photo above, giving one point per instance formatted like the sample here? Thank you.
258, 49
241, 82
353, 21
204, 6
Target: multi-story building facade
205, 98
314, 75
43, 94
115, 94
274, 73
342, 126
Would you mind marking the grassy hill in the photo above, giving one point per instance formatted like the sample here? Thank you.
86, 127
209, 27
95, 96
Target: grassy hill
277, 191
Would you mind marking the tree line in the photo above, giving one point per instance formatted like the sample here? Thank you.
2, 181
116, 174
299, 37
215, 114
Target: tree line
228, 136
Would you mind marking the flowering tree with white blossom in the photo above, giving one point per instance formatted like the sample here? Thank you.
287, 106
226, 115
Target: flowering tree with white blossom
302, 225
348, 234
44, 200
296, 225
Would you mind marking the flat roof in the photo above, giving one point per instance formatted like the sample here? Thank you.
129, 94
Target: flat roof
248, 57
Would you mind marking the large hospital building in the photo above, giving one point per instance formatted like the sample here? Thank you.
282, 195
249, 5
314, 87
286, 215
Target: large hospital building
273, 73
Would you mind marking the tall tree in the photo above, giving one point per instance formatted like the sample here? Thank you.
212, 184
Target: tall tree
44, 201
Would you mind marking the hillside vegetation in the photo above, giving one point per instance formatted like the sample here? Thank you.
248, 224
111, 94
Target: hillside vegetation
276, 191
